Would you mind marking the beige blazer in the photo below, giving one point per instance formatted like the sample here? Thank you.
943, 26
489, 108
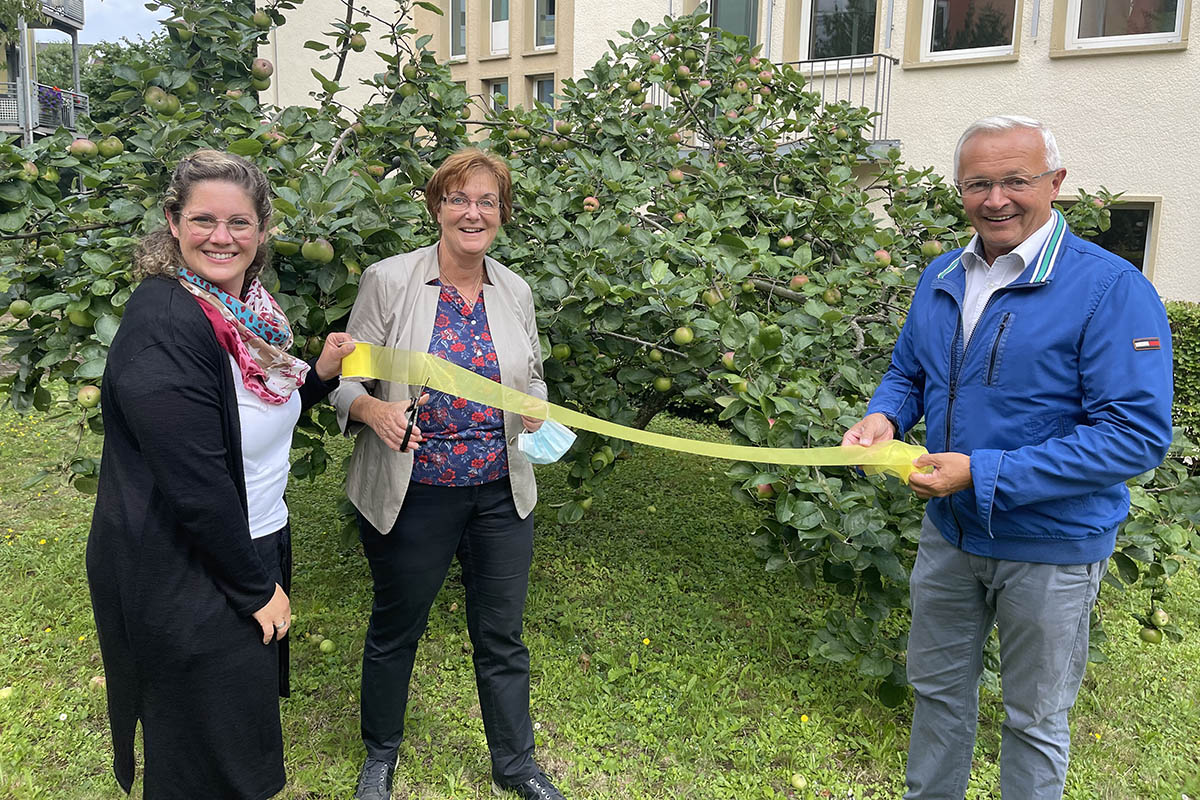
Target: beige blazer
395, 307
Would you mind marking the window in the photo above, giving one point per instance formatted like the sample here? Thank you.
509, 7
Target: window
458, 28
967, 28
739, 17
543, 89
499, 27
1128, 234
498, 91
543, 24
1115, 23
841, 28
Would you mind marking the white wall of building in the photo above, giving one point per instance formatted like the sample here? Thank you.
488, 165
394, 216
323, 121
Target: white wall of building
1125, 122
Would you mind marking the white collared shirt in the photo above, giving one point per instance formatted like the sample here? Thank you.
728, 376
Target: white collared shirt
983, 280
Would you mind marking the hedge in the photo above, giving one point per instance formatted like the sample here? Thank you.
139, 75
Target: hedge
1185, 339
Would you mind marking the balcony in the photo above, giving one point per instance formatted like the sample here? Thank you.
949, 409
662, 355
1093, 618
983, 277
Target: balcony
864, 81
63, 14
55, 108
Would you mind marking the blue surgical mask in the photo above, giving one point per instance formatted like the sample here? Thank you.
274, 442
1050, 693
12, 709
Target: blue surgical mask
547, 444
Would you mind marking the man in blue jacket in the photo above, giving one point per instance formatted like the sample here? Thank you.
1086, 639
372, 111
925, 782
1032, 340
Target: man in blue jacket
1042, 366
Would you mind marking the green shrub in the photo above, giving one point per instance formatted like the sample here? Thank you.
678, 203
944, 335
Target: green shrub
1185, 336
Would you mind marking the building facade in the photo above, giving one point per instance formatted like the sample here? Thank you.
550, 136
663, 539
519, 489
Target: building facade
28, 108
1116, 80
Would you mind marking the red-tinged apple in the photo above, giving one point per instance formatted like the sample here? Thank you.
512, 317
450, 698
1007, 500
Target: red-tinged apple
798, 281
591, 204
262, 68
83, 148
883, 257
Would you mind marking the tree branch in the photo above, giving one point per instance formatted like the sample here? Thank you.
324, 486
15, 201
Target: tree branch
80, 229
345, 45
635, 340
771, 288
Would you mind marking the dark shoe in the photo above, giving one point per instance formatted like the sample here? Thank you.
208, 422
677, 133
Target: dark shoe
375, 781
538, 787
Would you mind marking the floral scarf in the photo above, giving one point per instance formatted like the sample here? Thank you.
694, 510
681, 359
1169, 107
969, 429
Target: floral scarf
255, 332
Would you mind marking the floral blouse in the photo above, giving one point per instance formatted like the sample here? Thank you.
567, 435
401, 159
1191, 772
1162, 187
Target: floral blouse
463, 441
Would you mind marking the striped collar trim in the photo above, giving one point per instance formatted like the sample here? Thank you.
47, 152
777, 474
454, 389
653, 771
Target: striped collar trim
1044, 265
957, 260
1049, 255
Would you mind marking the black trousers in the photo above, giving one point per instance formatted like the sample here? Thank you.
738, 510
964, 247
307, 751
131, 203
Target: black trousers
479, 525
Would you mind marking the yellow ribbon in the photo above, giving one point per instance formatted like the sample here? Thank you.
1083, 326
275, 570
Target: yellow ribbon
373, 362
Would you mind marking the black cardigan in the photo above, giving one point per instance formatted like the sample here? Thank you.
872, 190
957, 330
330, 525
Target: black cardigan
172, 464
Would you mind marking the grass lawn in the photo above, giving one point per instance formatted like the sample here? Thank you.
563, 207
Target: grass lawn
666, 662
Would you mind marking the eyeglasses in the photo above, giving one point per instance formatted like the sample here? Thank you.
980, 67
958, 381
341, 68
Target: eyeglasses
411, 414
1014, 184
206, 225
460, 202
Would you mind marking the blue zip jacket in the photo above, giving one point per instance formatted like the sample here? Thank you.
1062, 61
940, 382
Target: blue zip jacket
1062, 394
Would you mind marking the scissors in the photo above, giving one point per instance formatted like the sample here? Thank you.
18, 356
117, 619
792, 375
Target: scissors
411, 414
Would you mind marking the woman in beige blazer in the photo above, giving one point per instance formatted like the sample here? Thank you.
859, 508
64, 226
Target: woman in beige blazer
456, 488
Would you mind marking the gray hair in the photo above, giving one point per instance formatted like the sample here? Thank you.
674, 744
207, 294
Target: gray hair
1007, 123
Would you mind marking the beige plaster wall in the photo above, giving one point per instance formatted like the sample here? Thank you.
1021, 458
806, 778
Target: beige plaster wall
293, 79
1122, 121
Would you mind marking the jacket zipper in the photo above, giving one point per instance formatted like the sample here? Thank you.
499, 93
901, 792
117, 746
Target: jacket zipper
955, 367
952, 394
991, 373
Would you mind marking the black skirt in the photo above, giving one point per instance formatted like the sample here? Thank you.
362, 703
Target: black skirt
203, 684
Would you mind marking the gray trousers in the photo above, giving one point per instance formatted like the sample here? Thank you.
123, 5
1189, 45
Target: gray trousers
1042, 613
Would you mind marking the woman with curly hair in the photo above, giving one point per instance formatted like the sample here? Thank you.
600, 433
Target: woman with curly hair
189, 556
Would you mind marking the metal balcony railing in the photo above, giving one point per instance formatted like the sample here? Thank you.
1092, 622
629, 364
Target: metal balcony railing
59, 106
864, 81
67, 12
10, 105
54, 107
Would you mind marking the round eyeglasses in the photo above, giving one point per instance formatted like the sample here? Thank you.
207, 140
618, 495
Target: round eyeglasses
1014, 184
460, 202
206, 225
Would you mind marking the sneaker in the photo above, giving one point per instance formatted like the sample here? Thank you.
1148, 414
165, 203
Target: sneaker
375, 781
538, 787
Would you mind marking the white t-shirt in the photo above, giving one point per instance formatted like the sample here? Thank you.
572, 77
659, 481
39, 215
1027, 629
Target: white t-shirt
266, 443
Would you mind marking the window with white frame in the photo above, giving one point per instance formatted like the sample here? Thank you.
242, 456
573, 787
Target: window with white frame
543, 23
839, 28
543, 89
458, 28
967, 28
499, 27
498, 92
1114, 23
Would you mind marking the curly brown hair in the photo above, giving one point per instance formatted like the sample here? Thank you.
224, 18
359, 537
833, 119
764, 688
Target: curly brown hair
158, 252
454, 171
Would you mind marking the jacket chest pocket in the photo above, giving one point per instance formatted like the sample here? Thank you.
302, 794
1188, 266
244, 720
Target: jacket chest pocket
996, 349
